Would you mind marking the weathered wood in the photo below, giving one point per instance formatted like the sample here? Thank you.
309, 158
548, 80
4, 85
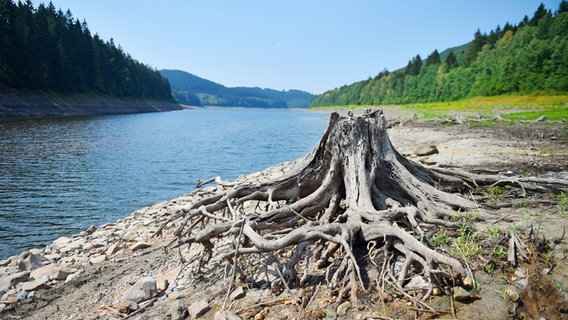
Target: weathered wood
353, 189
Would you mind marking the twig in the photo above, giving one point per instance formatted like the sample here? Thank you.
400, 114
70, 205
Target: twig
235, 257
283, 281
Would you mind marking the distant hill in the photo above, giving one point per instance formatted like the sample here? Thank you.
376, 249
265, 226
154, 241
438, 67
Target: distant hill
525, 59
192, 90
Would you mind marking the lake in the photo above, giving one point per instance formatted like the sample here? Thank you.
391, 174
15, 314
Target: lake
59, 176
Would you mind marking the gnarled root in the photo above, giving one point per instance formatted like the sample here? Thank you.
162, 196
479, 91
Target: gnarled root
352, 190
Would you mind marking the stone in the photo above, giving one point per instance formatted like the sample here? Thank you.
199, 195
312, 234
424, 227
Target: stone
178, 311
468, 282
99, 243
130, 235
417, 282
226, 315
112, 249
142, 290
165, 279
5, 262
140, 245
73, 276
426, 150
43, 271
197, 309
62, 274
559, 255
238, 293
126, 306
162, 284
90, 230
512, 293
60, 242
98, 259
32, 261
22, 296
12, 280
37, 284
462, 295
8, 294
427, 161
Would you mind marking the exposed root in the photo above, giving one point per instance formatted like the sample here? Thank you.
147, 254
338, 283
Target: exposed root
351, 196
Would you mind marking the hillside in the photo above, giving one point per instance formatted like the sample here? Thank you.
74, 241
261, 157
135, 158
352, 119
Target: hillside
192, 90
45, 51
524, 59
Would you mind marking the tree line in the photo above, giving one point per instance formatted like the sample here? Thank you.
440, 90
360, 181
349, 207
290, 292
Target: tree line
47, 49
195, 91
527, 58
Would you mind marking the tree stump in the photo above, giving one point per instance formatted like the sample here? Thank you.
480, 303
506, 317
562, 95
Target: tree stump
353, 196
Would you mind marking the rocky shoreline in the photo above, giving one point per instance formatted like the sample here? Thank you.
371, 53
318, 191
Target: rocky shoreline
35, 104
121, 270
30, 279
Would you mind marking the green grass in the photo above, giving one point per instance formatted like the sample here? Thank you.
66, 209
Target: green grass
512, 108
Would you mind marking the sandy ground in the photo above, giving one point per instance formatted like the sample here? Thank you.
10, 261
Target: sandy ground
541, 150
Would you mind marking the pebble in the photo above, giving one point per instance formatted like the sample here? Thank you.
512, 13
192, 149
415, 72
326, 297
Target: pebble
140, 245
43, 271
238, 293
112, 249
426, 150
512, 293
142, 290
98, 259
177, 310
62, 274
460, 294
197, 309
226, 315
34, 285
12, 280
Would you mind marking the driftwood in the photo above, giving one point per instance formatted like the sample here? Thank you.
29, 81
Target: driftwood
350, 198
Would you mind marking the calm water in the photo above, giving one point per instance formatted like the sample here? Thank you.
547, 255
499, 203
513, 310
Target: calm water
59, 176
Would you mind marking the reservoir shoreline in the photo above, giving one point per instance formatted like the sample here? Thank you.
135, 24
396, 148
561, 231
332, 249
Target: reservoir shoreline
22, 104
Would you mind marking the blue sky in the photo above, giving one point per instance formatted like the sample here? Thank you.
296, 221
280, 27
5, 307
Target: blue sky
312, 45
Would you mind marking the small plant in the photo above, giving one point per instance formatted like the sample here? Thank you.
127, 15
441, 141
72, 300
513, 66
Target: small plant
493, 231
489, 267
562, 205
527, 216
500, 252
502, 294
438, 239
467, 243
494, 190
521, 203
548, 256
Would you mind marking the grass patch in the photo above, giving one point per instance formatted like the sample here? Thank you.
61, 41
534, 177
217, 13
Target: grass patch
511, 107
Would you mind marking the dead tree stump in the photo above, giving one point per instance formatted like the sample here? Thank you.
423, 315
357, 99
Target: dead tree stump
352, 191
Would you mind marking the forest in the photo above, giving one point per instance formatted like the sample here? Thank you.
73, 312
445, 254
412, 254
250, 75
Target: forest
527, 58
192, 90
46, 49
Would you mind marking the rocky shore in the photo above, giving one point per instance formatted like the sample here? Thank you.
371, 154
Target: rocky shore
32, 104
135, 270
121, 270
